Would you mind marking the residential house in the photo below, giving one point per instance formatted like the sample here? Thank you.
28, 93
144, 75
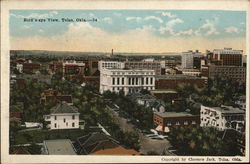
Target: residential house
63, 116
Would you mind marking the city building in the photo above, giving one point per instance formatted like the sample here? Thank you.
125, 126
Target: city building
58, 147
237, 73
147, 64
187, 58
110, 64
228, 56
172, 82
222, 118
165, 121
63, 116
191, 72
31, 67
100, 144
128, 80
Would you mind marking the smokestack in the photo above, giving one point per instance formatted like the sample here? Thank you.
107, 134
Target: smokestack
112, 52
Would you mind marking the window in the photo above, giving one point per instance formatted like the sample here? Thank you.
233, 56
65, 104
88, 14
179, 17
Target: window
64, 120
146, 80
142, 81
55, 125
118, 81
151, 80
73, 124
55, 117
66, 124
122, 81
113, 81
177, 123
73, 117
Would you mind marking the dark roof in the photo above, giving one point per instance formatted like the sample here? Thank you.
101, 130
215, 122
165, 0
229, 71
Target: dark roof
89, 142
63, 108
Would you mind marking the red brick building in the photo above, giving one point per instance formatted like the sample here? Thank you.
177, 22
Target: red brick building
228, 56
31, 67
172, 82
167, 120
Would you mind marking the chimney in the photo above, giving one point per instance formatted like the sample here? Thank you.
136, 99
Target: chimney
112, 52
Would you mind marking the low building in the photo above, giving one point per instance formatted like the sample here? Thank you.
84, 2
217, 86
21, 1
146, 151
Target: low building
101, 144
31, 67
160, 94
127, 80
222, 118
57, 99
58, 147
63, 116
172, 82
167, 120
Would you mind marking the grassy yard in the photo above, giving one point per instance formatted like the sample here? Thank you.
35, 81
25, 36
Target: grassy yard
38, 136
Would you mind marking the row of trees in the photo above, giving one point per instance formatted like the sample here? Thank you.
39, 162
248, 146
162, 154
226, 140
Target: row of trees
202, 142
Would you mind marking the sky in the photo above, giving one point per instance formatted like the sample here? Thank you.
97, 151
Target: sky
142, 31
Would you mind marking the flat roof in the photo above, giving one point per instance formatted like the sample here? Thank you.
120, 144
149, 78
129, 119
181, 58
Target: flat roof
229, 109
163, 91
59, 147
180, 76
174, 114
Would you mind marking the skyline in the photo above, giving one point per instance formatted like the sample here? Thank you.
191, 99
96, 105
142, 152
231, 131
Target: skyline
132, 31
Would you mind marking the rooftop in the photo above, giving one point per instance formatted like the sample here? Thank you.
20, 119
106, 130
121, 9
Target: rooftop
173, 114
229, 110
63, 108
59, 147
179, 76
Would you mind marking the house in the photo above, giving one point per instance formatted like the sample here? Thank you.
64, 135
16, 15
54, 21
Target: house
63, 116
165, 121
57, 99
58, 147
100, 144
222, 118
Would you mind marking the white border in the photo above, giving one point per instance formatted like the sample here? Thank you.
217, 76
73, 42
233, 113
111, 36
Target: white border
6, 5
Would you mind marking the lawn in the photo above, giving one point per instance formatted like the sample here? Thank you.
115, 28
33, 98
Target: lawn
38, 136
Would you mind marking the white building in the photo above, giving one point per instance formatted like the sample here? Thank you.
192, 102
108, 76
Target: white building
191, 72
110, 64
19, 67
63, 116
222, 118
128, 80
187, 58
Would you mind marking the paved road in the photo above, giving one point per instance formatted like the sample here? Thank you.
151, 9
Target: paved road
147, 144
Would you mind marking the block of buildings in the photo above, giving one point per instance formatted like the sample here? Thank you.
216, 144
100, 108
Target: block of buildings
110, 64
58, 147
167, 120
31, 67
145, 65
228, 56
63, 116
172, 82
236, 73
222, 118
187, 58
128, 80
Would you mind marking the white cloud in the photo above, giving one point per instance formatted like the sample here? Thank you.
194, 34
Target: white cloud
232, 29
168, 14
108, 20
84, 37
137, 19
186, 32
153, 18
208, 28
36, 15
25, 27
117, 14
41, 30
169, 27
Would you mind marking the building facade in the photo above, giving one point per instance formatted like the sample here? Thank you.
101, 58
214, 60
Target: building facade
228, 56
63, 116
187, 58
222, 118
145, 65
172, 82
237, 73
110, 64
167, 120
128, 80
